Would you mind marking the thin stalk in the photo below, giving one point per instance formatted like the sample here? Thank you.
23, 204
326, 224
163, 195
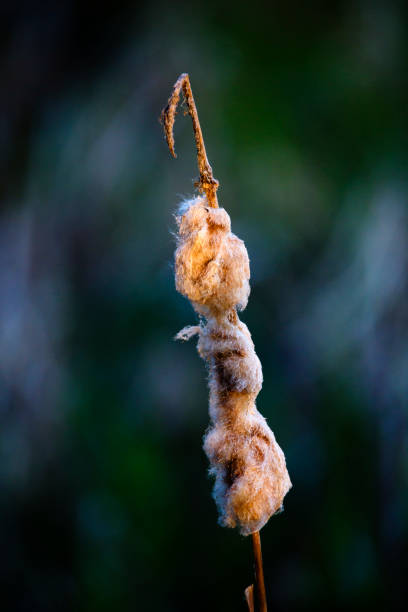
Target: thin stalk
249, 596
207, 183
259, 573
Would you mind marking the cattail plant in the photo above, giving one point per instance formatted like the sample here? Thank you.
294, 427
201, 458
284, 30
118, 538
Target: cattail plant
212, 271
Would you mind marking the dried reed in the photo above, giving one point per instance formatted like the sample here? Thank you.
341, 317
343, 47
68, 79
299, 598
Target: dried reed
212, 271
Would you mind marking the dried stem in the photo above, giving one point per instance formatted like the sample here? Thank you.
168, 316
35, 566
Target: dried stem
249, 596
207, 183
259, 574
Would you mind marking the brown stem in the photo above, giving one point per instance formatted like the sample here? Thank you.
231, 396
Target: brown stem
259, 574
249, 596
207, 183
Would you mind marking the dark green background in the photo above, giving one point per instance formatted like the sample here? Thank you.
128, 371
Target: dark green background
105, 501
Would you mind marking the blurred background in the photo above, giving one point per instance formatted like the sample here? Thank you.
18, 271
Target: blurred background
105, 501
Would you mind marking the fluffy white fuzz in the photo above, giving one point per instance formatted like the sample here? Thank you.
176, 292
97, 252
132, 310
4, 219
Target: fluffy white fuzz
212, 271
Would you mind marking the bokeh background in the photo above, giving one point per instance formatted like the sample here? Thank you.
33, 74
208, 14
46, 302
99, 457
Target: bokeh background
105, 500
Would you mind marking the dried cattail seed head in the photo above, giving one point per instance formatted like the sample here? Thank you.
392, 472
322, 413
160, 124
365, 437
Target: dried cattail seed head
212, 271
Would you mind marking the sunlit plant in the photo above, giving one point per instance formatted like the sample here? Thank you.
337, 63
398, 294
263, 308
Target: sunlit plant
212, 271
